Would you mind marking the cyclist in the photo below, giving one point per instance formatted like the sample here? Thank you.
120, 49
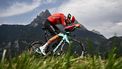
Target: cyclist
54, 19
69, 28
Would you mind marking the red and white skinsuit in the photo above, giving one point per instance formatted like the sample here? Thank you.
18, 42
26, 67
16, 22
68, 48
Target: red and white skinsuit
60, 18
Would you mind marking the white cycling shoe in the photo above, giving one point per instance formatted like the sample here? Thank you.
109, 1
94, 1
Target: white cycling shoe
38, 51
42, 49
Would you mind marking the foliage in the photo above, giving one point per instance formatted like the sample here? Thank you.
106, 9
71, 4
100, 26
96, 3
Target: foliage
66, 61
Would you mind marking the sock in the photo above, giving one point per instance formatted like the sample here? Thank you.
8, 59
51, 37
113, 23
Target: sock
44, 46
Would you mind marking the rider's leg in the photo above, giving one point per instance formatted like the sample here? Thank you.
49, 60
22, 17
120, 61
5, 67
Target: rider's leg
51, 40
57, 30
48, 27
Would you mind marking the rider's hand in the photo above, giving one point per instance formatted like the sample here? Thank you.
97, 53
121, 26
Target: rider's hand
77, 25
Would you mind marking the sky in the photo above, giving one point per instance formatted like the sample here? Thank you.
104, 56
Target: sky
104, 16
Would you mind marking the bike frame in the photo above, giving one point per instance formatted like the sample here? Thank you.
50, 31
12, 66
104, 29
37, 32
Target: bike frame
64, 39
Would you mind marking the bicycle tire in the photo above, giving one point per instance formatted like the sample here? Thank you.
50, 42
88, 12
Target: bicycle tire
77, 48
35, 45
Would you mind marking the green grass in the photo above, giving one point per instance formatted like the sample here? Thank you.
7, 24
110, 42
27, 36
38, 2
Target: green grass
28, 61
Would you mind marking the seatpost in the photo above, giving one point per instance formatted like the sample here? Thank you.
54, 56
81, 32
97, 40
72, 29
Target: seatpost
45, 33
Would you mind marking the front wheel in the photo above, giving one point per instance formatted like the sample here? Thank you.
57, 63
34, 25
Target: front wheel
78, 48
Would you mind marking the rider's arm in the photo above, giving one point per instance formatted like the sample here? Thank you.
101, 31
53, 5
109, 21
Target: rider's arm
72, 27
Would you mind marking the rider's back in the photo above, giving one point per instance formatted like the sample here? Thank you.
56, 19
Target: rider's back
57, 18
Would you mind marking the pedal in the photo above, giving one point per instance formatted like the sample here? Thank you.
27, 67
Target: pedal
58, 54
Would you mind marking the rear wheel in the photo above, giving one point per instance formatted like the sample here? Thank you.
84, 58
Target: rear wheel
35, 47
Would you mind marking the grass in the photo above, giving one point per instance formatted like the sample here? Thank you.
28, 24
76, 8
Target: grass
66, 61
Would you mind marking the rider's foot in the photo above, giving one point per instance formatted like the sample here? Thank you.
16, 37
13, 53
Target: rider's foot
38, 51
42, 50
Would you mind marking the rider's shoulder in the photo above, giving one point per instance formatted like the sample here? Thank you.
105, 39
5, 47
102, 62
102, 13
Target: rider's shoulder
58, 13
